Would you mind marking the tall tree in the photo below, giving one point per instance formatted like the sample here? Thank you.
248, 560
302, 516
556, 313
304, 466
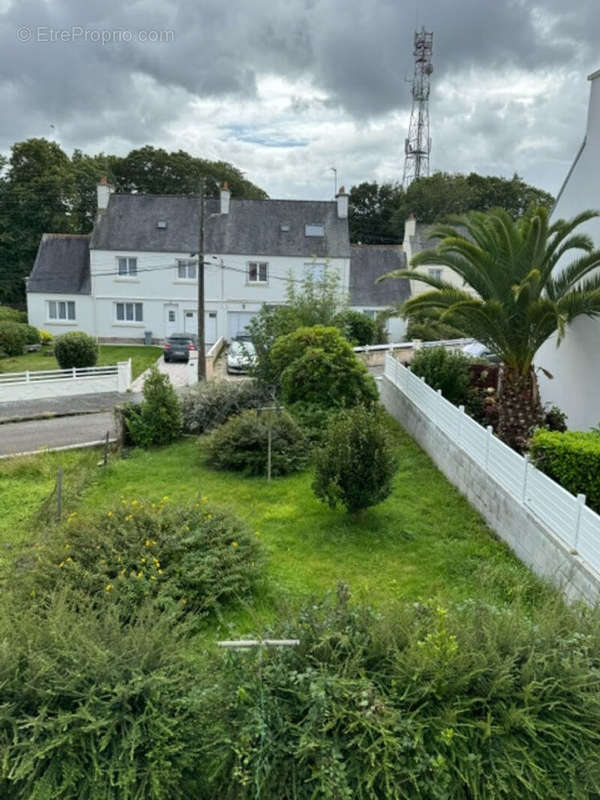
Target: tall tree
519, 304
371, 211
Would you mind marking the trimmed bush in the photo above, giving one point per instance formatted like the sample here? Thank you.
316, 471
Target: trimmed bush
75, 349
318, 366
8, 314
91, 709
571, 459
45, 337
32, 335
13, 337
426, 702
356, 463
358, 328
241, 444
210, 404
157, 420
183, 558
443, 370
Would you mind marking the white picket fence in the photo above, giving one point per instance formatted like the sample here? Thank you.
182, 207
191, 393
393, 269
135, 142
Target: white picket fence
561, 512
46, 383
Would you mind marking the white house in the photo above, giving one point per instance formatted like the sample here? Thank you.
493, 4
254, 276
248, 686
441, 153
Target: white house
137, 271
575, 386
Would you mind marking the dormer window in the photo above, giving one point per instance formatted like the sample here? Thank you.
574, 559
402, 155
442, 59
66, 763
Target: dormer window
314, 230
284, 227
162, 224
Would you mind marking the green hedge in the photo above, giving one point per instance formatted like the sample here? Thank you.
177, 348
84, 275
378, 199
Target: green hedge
571, 459
13, 337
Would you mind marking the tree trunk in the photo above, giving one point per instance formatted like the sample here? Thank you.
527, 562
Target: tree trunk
519, 407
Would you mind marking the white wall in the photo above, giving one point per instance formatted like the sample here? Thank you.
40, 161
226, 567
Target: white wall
156, 285
37, 313
575, 364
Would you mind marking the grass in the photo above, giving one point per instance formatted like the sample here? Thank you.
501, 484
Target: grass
141, 359
424, 541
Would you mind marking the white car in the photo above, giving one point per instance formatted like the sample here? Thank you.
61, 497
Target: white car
241, 356
479, 350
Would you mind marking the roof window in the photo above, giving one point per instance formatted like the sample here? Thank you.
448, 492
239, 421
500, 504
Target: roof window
284, 227
162, 224
314, 230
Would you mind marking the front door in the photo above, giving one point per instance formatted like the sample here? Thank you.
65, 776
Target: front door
210, 327
170, 320
190, 323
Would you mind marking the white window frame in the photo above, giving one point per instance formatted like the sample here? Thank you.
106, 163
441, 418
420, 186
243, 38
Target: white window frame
261, 267
316, 229
435, 272
129, 315
69, 315
317, 269
127, 268
187, 270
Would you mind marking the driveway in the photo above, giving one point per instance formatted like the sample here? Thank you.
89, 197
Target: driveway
176, 370
28, 437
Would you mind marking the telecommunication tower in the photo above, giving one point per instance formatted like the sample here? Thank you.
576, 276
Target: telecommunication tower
417, 146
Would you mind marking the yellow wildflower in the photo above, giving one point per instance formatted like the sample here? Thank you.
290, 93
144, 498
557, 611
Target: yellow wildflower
234, 544
135, 503
109, 513
165, 498
128, 517
69, 558
108, 587
140, 574
147, 542
143, 560
62, 563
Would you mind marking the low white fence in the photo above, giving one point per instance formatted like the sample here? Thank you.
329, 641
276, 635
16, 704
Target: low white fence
415, 344
565, 515
39, 384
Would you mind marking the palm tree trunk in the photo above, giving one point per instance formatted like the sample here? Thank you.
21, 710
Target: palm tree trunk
519, 407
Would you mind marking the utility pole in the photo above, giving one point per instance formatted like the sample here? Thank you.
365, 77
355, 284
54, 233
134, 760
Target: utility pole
201, 353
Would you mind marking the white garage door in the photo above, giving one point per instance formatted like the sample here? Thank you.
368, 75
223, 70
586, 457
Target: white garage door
237, 321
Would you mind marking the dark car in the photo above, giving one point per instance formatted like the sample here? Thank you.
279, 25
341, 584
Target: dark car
179, 346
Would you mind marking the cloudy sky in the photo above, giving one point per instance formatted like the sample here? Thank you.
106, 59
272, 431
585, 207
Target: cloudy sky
285, 89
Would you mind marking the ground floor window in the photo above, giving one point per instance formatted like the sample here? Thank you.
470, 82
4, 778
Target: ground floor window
62, 310
369, 312
129, 312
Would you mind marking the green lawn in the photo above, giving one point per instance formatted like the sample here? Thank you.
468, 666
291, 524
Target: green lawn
424, 541
141, 359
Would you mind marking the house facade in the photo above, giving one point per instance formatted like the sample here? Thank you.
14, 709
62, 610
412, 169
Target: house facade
575, 385
136, 275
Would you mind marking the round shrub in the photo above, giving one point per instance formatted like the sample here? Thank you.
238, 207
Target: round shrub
356, 463
358, 328
424, 702
317, 365
211, 403
13, 337
157, 420
188, 558
75, 349
242, 442
443, 370
45, 337
94, 709
32, 335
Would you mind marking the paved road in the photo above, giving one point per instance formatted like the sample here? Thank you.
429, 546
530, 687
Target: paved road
26, 437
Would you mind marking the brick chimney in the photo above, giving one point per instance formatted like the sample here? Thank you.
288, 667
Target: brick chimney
342, 203
225, 198
103, 193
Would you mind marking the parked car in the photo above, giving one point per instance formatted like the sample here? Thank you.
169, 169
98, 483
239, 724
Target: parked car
479, 350
179, 346
241, 356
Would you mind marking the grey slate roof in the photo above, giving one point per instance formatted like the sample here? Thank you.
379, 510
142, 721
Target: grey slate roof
252, 227
62, 265
367, 263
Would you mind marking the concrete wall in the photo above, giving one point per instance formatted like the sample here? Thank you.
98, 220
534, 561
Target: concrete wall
527, 537
575, 364
95, 383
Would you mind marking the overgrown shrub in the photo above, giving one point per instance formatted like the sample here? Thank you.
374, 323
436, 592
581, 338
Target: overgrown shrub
428, 702
357, 328
13, 337
317, 365
8, 314
184, 558
211, 403
356, 463
158, 419
571, 459
241, 444
314, 419
45, 337
75, 349
443, 370
555, 419
32, 335
92, 709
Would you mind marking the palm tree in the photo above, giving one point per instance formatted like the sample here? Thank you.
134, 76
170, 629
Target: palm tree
517, 304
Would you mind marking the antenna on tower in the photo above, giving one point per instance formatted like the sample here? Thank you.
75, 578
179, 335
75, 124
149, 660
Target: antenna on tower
417, 145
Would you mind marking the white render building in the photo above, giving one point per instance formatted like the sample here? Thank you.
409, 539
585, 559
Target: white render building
137, 271
575, 386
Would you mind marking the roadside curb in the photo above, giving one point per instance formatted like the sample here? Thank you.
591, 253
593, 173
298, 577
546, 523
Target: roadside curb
53, 415
81, 446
